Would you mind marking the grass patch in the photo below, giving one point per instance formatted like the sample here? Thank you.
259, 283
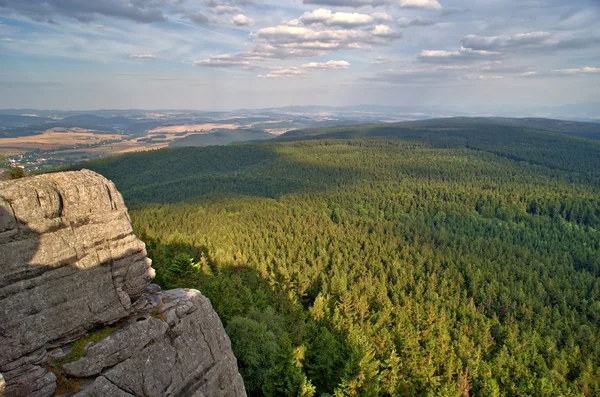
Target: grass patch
65, 384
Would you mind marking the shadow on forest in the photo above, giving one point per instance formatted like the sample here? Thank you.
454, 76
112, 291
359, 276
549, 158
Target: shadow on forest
191, 174
257, 312
267, 170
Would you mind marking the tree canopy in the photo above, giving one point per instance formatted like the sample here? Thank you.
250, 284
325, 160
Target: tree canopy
454, 262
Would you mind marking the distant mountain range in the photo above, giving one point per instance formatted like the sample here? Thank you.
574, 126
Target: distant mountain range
577, 112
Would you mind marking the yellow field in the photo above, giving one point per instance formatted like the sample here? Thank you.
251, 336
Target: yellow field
120, 147
193, 127
11, 151
53, 138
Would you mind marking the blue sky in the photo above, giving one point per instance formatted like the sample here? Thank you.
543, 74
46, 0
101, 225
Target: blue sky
227, 54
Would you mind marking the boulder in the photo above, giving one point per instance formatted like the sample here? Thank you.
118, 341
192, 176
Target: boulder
71, 265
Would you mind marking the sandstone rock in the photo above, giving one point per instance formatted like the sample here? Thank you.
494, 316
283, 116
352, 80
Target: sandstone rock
117, 347
69, 264
70, 260
29, 380
191, 357
103, 387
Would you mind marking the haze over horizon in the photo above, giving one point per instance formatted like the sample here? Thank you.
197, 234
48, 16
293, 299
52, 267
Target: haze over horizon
230, 54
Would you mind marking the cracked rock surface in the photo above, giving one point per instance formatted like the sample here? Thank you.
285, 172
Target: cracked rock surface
70, 264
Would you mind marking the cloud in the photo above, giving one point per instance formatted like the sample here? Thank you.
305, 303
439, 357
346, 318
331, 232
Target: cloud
578, 71
6, 40
291, 40
497, 43
224, 61
476, 48
142, 56
284, 73
384, 31
481, 77
379, 61
226, 9
531, 41
344, 19
86, 11
329, 65
202, 18
418, 21
242, 20
426, 4
530, 74
382, 17
423, 4
461, 56
309, 36
583, 71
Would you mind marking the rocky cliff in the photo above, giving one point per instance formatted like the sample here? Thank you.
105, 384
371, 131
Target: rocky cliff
78, 315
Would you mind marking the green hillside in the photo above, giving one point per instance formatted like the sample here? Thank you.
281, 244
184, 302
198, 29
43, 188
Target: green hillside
221, 137
457, 126
422, 260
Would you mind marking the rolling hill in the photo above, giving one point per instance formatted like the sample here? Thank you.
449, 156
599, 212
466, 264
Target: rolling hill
221, 137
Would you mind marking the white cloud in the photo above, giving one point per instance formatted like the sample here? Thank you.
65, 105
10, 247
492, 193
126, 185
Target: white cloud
224, 61
580, 71
383, 31
438, 53
329, 65
329, 18
284, 73
529, 74
143, 56
583, 71
289, 38
461, 56
344, 19
315, 38
242, 20
426, 4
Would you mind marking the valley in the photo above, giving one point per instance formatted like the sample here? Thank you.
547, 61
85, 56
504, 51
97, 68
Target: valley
44, 139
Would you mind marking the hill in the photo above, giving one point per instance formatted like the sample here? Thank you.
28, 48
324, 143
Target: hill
11, 121
453, 127
438, 258
90, 119
221, 137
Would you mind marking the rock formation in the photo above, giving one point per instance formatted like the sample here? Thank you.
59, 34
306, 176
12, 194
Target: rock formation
78, 315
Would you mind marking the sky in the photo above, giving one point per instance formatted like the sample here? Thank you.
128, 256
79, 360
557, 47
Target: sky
230, 54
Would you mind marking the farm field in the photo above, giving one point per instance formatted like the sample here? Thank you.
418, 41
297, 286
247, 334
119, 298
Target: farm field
54, 138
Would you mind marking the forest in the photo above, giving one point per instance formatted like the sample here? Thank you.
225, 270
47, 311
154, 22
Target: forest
440, 259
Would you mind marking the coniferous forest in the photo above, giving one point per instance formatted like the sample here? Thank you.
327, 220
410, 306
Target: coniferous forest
439, 259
